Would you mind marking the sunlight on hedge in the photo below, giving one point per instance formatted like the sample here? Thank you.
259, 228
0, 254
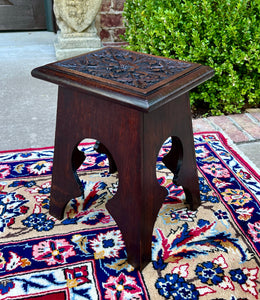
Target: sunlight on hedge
224, 35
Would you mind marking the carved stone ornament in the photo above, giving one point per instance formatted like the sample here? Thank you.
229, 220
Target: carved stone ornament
76, 21
75, 15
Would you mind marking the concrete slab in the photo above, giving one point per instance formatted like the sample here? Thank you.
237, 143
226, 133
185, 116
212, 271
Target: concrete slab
28, 105
252, 151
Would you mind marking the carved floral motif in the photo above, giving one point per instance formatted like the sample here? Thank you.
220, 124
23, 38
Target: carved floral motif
130, 68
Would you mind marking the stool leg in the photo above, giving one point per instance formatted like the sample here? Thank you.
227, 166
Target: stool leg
65, 182
67, 158
173, 160
181, 159
135, 209
139, 196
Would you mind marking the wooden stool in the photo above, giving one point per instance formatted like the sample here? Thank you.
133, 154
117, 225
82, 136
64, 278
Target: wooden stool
131, 103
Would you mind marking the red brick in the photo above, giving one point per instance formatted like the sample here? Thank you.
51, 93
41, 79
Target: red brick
105, 6
256, 115
118, 5
118, 33
200, 125
255, 112
229, 128
247, 124
105, 35
111, 20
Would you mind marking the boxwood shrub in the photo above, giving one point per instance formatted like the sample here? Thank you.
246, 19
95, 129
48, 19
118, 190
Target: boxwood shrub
223, 34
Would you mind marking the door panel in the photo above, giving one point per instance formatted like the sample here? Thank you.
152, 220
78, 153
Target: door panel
22, 15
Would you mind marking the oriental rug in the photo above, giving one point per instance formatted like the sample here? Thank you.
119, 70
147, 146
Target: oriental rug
211, 253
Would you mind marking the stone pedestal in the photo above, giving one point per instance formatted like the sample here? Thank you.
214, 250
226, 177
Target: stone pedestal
76, 21
73, 44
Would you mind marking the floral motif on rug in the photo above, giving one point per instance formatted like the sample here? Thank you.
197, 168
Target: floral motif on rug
210, 253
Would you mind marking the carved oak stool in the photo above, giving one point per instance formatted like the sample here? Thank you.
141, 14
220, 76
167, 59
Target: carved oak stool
131, 103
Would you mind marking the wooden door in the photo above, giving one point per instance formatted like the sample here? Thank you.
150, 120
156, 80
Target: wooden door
22, 15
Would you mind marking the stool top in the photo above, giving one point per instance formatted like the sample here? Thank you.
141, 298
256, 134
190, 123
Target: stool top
140, 80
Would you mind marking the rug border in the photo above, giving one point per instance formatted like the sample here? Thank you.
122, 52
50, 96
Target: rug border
38, 148
237, 152
27, 149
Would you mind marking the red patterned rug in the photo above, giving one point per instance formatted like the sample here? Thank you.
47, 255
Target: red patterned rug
211, 253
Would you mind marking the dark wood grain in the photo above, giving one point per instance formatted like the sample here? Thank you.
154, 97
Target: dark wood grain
131, 126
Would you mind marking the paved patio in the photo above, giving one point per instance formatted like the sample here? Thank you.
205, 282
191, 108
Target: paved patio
28, 105
243, 130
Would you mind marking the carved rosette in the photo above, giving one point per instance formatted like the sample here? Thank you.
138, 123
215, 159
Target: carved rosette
76, 15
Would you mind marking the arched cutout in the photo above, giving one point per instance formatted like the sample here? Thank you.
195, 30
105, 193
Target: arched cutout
171, 155
92, 165
100, 148
173, 159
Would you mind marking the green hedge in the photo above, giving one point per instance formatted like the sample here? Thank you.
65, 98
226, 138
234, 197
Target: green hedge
223, 34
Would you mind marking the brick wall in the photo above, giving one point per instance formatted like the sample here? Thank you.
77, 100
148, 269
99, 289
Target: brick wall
109, 22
